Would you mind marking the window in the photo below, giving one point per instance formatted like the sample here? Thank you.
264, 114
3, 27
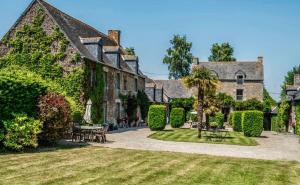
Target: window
93, 77
136, 84
105, 111
118, 81
118, 110
240, 79
125, 83
105, 81
239, 94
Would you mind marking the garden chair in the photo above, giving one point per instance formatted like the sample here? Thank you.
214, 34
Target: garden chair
76, 132
101, 134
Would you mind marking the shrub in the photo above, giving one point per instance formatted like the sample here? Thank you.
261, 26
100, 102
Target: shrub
229, 119
251, 104
54, 112
253, 123
237, 121
213, 124
21, 132
19, 92
297, 110
177, 117
157, 117
190, 116
218, 118
274, 124
143, 102
283, 114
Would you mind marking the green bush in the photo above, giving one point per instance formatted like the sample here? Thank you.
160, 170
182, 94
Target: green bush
298, 118
229, 119
252, 122
19, 92
274, 124
237, 121
251, 104
192, 117
177, 117
218, 118
55, 114
157, 117
21, 132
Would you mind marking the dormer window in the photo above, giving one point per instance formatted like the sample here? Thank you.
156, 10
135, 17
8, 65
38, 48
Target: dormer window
113, 55
240, 79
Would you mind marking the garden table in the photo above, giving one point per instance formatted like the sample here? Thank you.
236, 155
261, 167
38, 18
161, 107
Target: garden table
89, 130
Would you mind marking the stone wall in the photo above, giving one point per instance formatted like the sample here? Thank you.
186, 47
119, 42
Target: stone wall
251, 89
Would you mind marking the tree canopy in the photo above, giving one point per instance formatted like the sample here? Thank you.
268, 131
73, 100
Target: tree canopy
130, 51
221, 53
289, 78
179, 57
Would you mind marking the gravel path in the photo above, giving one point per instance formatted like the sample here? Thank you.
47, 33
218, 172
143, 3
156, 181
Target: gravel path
271, 146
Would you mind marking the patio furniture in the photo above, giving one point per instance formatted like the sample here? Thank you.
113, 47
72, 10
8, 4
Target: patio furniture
216, 134
85, 132
76, 133
101, 134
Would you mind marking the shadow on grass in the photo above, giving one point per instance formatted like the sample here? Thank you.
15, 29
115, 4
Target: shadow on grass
61, 145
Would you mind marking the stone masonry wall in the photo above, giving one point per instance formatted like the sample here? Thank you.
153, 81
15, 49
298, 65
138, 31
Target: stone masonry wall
251, 89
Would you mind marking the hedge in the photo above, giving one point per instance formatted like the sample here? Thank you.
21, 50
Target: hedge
218, 118
157, 117
177, 117
237, 121
297, 110
229, 119
274, 124
252, 122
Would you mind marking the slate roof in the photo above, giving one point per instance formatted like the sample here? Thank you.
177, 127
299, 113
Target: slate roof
228, 70
174, 88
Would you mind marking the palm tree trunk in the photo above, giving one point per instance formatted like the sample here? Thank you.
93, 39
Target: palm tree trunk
200, 111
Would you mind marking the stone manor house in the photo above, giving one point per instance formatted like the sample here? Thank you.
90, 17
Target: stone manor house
122, 73
243, 80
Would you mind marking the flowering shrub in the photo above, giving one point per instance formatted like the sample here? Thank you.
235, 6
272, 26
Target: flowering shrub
54, 112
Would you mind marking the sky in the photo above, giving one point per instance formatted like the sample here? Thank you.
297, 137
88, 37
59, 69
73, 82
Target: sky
268, 28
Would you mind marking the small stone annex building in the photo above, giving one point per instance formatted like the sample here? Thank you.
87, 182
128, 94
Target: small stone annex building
121, 71
241, 80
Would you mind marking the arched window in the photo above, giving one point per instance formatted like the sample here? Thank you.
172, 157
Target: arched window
240, 76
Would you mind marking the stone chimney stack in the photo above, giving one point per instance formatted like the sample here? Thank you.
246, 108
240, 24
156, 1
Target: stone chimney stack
115, 35
297, 79
195, 61
260, 59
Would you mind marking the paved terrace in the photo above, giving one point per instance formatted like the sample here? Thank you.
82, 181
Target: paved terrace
271, 146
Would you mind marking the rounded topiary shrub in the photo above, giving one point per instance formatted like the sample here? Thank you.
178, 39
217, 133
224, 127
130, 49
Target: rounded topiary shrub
55, 114
157, 117
252, 123
177, 117
237, 121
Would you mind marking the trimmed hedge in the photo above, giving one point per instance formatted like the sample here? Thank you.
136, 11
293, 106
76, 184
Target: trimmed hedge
253, 123
218, 118
157, 117
229, 119
237, 121
177, 117
274, 124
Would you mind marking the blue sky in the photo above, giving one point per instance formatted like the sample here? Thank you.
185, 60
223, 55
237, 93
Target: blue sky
258, 27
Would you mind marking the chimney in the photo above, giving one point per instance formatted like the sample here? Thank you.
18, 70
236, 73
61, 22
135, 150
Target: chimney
94, 46
260, 59
297, 79
195, 61
115, 35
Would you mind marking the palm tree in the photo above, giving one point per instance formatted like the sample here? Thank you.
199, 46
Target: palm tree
205, 82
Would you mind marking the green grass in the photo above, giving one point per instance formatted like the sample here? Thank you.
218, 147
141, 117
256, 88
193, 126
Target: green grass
97, 165
191, 135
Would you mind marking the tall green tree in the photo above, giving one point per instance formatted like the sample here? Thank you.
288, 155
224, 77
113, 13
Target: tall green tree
221, 53
179, 57
206, 83
289, 78
130, 51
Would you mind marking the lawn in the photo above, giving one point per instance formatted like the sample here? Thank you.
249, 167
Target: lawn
97, 165
191, 135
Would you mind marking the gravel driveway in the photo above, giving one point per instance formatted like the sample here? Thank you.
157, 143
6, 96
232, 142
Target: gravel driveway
271, 146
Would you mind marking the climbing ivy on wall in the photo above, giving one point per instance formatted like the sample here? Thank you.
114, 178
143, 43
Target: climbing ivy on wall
297, 110
95, 90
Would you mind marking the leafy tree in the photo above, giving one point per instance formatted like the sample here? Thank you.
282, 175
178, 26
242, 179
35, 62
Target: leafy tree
268, 101
130, 51
251, 104
206, 83
221, 53
289, 78
186, 103
224, 100
178, 57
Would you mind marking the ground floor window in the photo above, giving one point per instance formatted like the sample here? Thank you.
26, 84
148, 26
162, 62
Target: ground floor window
239, 94
118, 110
